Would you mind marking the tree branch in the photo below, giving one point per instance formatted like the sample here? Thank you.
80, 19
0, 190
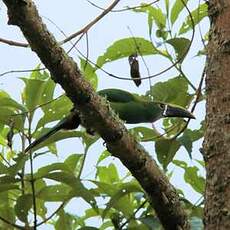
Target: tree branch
96, 113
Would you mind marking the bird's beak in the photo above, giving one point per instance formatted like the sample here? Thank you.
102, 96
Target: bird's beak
174, 111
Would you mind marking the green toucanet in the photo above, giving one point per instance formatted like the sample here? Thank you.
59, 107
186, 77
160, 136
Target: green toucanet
130, 107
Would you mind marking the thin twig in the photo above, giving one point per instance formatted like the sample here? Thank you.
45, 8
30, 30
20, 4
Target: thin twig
22, 174
126, 9
92, 23
54, 213
83, 162
199, 27
14, 43
32, 181
37, 107
11, 224
81, 31
198, 94
133, 215
21, 71
87, 51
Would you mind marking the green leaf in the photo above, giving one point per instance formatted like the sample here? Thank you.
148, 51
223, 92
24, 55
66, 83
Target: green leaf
193, 210
66, 221
166, 150
33, 91
40, 204
53, 193
48, 90
7, 210
107, 174
9, 114
162, 34
154, 15
134, 224
6, 187
172, 126
22, 206
191, 176
74, 162
49, 168
181, 164
197, 15
104, 188
7, 101
167, 7
124, 48
181, 47
55, 111
145, 134
190, 136
64, 177
89, 73
177, 8
8, 179
20, 163
173, 91
78, 189
88, 140
201, 162
52, 148
3, 168
3, 141
106, 225
103, 156
91, 213
121, 201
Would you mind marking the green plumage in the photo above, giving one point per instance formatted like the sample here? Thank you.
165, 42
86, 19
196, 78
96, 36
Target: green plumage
131, 108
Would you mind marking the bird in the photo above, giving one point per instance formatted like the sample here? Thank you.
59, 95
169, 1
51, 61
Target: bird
131, 108
134, 109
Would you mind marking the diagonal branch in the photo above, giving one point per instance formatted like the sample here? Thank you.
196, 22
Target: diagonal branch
92, 23
96, 113
84, 30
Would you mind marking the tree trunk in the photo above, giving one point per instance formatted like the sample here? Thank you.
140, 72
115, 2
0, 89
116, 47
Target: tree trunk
217, 136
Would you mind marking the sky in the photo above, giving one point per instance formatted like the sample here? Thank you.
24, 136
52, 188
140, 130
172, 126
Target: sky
71, 16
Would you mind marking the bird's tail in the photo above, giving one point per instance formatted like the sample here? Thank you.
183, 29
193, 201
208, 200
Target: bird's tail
44, 137
72, 121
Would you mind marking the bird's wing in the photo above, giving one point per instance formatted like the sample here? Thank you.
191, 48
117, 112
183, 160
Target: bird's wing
117, 95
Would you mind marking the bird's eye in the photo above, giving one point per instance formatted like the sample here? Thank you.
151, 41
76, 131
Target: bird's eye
162, 106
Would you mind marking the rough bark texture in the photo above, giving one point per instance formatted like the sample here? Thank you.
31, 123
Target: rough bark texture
217, 137
96, 113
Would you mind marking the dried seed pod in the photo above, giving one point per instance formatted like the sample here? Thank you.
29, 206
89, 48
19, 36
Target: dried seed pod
134, 69
10, 135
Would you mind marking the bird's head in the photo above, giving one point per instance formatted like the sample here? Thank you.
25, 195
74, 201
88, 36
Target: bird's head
175, 111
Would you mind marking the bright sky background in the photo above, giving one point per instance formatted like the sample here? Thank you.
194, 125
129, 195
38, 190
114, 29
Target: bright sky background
71, 16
